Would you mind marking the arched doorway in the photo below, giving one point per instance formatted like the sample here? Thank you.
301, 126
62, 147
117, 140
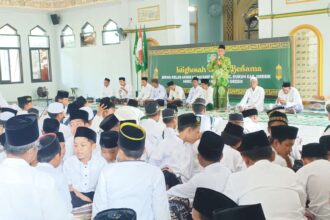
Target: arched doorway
307, 60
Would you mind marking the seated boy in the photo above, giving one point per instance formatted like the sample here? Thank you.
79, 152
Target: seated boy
171, 122
109, 146
83, 168
49, 158
132, 183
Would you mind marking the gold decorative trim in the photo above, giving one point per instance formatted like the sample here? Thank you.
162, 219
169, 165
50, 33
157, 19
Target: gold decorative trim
299, 1
320, 52
294, 14
159, 28
213, 49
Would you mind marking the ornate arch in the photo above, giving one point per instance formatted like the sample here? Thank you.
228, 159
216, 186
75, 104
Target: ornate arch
319, 53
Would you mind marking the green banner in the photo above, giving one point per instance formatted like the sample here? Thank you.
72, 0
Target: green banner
267, 59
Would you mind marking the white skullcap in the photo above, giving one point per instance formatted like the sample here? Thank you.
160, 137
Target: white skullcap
90, 112
253, 78
55, 108
5, 116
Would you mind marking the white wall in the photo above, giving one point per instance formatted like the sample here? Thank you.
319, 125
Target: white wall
24, 21
283, 26
86, 67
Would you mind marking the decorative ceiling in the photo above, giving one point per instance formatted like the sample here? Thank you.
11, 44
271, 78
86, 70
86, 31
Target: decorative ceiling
50, 4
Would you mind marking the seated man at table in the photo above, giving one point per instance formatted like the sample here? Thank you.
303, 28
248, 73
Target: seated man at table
254, 97
176, 94
289, 98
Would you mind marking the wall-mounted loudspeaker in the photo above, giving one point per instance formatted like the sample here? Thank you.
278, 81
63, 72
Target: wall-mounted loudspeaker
55, 19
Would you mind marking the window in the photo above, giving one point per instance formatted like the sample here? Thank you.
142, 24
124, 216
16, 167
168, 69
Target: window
110, 34
88, 35
10, 56
39, 55
67, 37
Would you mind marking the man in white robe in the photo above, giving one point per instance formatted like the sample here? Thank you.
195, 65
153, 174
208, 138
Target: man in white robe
146, 90
254, 97
195, 92
289, 97
27, 193
107, 89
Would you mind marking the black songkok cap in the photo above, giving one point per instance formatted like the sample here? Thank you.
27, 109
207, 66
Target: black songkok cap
109, 122
61, 94
131, 137
23, 100
188, 120
49, 145
207, 200
60, 137
81, 101
210, 146
205, 81
254, 141
170, 83
133, 103
79, 114
22, 130
249, 112
244, 212
109, 139
106, 102
325, 141
151, 108
221, 46
284, 132
286, 84
234, 130
87, 133
314, 150
50, 125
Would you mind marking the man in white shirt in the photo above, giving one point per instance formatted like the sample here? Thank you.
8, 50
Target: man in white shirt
158, 92
171, 122
56, 111
275, 187
176, 94
105, 108
49, 159
208, 123
152, 127
289, 97
207, 93
195, 92
214, 175
253, 98
282, 139
146, 90
176, 155
251, 121
325, 141
107, 89
132, 183
314, 177
232, 137
125, 90
27, 193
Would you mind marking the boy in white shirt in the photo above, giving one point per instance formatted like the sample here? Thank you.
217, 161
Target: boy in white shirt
176, 94
207, 93
170, 120
49, 159
132, 183
82, 170
214, 175
195, 92
251, 121
146, 90
109, 146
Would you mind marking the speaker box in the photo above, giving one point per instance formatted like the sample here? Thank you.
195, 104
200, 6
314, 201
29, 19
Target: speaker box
55, 19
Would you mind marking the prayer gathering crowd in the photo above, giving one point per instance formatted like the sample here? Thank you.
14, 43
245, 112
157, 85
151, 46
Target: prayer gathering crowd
159, 164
